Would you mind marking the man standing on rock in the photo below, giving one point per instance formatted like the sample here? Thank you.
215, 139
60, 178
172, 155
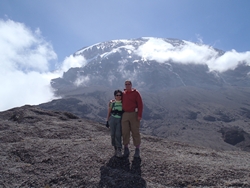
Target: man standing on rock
132, 106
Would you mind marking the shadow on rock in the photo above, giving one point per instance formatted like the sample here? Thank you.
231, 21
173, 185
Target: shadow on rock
136, 166
117, 174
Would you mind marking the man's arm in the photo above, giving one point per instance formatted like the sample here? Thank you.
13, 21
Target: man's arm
139, 105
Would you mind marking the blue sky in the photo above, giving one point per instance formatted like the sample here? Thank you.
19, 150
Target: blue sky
48, 32
71, 25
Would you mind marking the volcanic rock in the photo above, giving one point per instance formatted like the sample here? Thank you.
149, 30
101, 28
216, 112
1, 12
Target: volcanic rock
52, 149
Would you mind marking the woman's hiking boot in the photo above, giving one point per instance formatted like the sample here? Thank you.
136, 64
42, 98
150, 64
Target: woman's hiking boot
137, 152
115, 150
119, 152
126, 152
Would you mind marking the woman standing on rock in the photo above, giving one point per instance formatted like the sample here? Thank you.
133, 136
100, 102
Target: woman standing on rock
114, 122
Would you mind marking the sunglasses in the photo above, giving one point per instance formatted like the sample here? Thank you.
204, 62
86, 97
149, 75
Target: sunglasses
127, 84
118, 95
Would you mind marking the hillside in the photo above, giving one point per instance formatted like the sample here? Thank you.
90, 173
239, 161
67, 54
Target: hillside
185, 114
44, 148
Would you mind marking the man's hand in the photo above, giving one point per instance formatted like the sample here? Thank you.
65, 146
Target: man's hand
139, 118
107, 124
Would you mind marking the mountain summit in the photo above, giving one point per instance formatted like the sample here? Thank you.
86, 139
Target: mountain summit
192, 93
155, 64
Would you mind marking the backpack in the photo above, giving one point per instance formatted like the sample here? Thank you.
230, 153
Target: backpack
115, 112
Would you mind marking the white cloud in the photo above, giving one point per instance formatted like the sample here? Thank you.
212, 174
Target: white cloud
19, 88
22, 49
229, 61
161, 51
73, 61
81, 81
24, 73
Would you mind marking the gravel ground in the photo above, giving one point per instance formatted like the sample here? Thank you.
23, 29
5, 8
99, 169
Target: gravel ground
50, 149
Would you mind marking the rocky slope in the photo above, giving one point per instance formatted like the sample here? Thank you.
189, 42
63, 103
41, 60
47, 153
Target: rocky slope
187, 114
42, 148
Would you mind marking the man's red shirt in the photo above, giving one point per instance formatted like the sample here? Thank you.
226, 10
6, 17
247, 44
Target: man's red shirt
132, 100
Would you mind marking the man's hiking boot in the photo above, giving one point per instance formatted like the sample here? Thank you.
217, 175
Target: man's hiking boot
126, 152
118, 152
137, 152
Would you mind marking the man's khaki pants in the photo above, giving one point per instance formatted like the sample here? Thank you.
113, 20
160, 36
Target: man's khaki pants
130, 123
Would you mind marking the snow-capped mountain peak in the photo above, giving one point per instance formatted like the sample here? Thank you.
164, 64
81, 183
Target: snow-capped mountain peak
157, 64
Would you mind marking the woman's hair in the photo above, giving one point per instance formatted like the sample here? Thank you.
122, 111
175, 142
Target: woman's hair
117, 91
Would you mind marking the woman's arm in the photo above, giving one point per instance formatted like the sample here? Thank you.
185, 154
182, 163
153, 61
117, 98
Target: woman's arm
109, 111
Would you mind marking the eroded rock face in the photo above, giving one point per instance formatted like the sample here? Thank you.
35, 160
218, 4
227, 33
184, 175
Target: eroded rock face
41, 148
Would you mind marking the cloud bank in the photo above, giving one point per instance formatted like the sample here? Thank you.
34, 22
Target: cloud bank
26, 58
162, 51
